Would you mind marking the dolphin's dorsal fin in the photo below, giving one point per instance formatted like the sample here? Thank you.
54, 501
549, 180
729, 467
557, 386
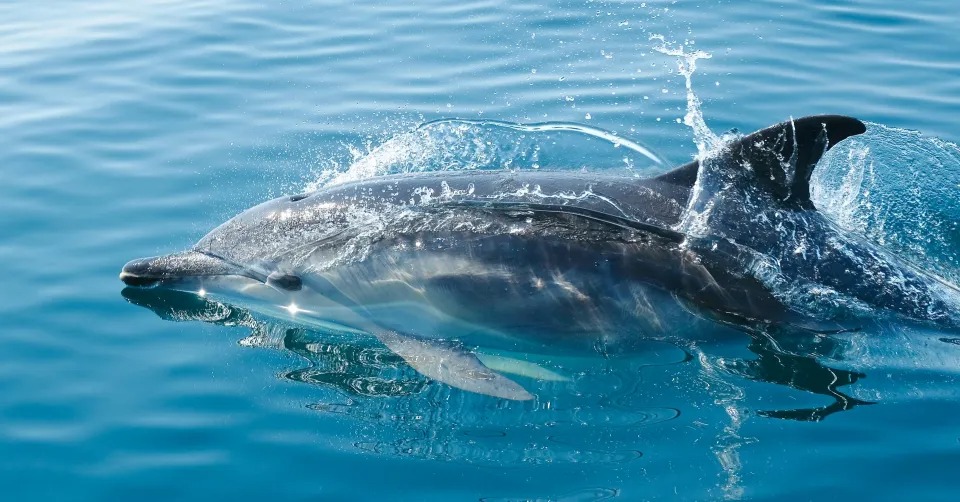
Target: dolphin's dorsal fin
781, 157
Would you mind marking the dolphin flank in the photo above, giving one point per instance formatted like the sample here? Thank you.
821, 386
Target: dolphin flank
434, 263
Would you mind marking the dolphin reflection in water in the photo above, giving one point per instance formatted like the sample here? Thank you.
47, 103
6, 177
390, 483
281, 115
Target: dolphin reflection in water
438, 265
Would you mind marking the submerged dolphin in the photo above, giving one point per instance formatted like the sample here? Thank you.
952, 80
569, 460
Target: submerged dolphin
554, 259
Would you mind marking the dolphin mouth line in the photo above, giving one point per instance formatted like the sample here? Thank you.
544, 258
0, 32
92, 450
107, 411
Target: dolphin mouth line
131, 279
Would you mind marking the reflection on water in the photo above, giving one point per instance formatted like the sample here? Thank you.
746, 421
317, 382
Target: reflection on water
373, 371
775, 364
592, 417
596, 415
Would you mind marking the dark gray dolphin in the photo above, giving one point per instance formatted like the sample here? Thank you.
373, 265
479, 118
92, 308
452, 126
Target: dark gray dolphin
433, 263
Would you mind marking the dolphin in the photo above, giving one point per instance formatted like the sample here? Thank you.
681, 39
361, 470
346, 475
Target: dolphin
432, 264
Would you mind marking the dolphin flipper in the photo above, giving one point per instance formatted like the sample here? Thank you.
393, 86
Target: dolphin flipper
452, 366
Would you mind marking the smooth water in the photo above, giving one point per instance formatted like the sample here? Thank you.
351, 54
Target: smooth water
130, 129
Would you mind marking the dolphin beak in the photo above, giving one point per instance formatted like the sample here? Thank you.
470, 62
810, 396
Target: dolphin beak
138, 273
146, 272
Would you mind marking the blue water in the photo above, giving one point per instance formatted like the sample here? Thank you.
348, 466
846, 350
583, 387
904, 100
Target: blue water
130, 129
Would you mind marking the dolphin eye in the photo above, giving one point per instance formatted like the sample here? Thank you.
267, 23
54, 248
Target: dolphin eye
299, 197
284, 281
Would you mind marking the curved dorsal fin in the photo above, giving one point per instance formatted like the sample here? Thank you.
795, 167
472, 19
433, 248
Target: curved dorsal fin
782, 156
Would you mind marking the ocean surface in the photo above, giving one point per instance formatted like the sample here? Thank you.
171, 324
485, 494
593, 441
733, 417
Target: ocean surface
130, 129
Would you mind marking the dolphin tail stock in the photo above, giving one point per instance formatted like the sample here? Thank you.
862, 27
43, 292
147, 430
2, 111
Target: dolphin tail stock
451, 365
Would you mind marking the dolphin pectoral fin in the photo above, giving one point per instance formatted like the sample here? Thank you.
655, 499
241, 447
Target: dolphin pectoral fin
452, 366
519, 367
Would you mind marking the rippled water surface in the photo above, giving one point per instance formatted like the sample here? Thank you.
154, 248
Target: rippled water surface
131, 129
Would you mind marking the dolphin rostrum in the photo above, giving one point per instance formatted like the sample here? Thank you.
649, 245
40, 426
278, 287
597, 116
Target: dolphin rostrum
432, 264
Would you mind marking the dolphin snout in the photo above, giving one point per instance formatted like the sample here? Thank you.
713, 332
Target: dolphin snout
174, 268
139, 273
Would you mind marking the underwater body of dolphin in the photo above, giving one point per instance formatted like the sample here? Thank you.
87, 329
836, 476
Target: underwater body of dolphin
534, 259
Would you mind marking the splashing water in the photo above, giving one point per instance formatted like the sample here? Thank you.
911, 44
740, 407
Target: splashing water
705, 139
457, 145
699, 206
899, 190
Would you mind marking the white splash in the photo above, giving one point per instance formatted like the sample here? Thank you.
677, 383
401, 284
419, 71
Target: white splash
705, 139
899, 190
695, 217
458, 145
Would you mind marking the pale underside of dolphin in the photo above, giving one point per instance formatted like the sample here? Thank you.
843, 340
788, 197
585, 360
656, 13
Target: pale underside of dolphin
431, 264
